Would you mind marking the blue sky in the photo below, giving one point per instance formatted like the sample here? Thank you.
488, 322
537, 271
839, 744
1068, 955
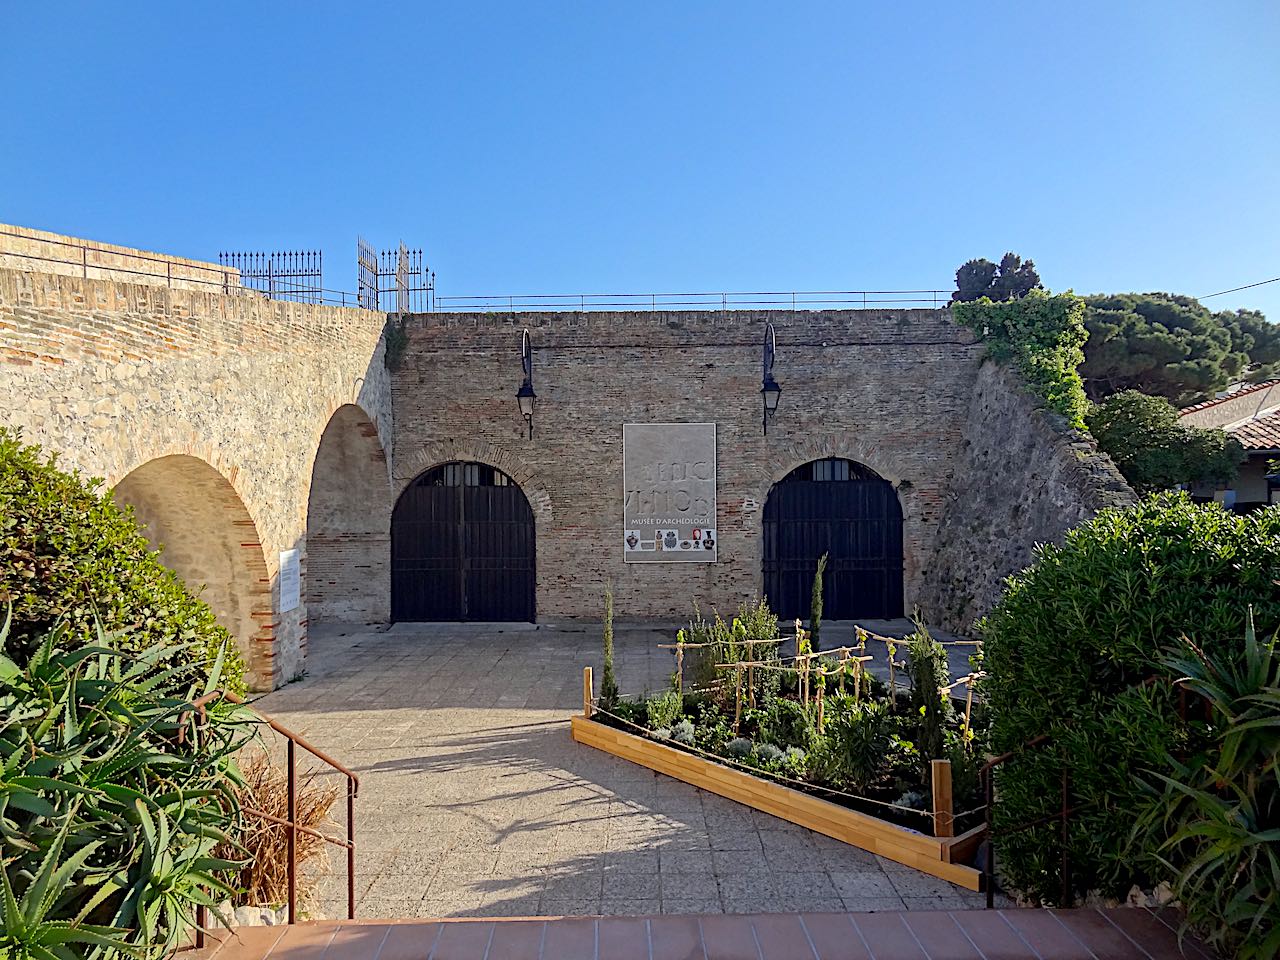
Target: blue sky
607, 147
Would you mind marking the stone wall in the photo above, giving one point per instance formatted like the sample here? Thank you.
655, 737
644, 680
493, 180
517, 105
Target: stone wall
39, 251
887, 388
1023, 477
115, 376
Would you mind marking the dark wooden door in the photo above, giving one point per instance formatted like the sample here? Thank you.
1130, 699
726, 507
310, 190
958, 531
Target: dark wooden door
846, 511
462, 548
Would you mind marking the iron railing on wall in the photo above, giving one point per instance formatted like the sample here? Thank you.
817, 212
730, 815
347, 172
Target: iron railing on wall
760, 300
89, 261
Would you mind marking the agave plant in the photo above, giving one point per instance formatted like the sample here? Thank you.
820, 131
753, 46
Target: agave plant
1219, 813
113, 795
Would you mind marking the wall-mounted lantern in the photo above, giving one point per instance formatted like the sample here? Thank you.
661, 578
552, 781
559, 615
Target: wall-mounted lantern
525, 395
769, 388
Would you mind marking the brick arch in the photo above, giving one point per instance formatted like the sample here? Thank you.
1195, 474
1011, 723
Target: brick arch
348, 542
846, 447
849, 447
193, 514
433, 454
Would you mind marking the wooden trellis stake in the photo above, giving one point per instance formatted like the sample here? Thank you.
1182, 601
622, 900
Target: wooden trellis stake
943, 812
680, 668
586, 692
820, 702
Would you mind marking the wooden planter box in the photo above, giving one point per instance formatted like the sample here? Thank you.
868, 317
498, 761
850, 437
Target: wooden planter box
932, 855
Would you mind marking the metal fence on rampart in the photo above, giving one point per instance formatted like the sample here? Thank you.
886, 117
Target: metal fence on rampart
399, 281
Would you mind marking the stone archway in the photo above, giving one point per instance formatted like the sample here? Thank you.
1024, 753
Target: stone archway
463, 547
195, 517
845, 511
918, 504
348, 523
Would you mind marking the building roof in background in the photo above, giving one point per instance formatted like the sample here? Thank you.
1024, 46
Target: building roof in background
1259, 433
1233, 395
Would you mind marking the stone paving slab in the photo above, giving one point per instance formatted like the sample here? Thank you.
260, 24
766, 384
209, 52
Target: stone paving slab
475, 801
1084, 934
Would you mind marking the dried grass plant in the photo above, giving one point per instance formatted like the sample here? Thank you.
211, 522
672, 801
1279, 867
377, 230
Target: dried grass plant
264, 880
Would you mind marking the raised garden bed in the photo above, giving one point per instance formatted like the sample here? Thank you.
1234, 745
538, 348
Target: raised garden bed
812, 737
941, 857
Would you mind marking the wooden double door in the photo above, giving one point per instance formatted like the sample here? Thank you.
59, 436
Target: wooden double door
462, 548
851, 514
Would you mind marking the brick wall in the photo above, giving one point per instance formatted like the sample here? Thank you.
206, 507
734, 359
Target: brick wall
891, 389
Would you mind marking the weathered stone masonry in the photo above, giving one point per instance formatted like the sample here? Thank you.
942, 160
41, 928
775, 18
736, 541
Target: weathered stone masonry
239, 427
889, 389
226, 397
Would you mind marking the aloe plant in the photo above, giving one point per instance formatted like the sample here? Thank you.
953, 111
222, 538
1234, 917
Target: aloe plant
1217, 818
112, 797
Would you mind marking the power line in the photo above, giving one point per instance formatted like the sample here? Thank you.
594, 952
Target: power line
1234, 289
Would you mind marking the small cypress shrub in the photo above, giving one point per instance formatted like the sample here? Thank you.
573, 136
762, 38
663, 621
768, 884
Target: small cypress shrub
608, 680
70, 554
927, 667
815, 605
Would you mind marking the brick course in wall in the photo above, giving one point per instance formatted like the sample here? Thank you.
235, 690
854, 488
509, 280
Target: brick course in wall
890, 389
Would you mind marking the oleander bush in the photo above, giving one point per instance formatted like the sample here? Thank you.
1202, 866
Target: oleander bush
112, 799
1075, 650
69, 554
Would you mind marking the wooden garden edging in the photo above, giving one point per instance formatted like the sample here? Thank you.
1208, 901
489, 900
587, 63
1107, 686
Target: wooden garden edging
931, 855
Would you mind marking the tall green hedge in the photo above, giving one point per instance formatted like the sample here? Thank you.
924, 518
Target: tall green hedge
69, 552
1076, 649
1043, 337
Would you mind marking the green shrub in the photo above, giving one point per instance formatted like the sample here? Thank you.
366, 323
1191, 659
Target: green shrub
854, 742
1216, 823
739, 748
683, 732
785, 723
1042, 337
1072, 650
1155, 451
69, 554
664, 709
111, 805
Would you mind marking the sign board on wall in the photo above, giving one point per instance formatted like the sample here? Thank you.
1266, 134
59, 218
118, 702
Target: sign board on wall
290, 580
669, 493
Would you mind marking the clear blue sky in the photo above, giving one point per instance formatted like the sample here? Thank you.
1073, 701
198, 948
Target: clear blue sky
568, 147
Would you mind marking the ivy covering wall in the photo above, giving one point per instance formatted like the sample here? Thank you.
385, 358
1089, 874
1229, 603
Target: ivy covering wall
1042, 336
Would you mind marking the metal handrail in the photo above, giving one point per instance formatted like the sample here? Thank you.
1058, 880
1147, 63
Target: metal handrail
708, 300
353, 789
224, 281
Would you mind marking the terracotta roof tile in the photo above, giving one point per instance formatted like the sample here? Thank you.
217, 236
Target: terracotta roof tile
1260, 433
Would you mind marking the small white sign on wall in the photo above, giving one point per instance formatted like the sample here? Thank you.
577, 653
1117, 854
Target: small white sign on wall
290, 580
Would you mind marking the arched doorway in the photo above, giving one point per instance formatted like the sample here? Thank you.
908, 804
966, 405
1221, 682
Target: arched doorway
348, 523
192, 514
849, 512
462, 547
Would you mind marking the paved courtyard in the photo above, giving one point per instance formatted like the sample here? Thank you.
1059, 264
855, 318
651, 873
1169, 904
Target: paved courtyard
474, 801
